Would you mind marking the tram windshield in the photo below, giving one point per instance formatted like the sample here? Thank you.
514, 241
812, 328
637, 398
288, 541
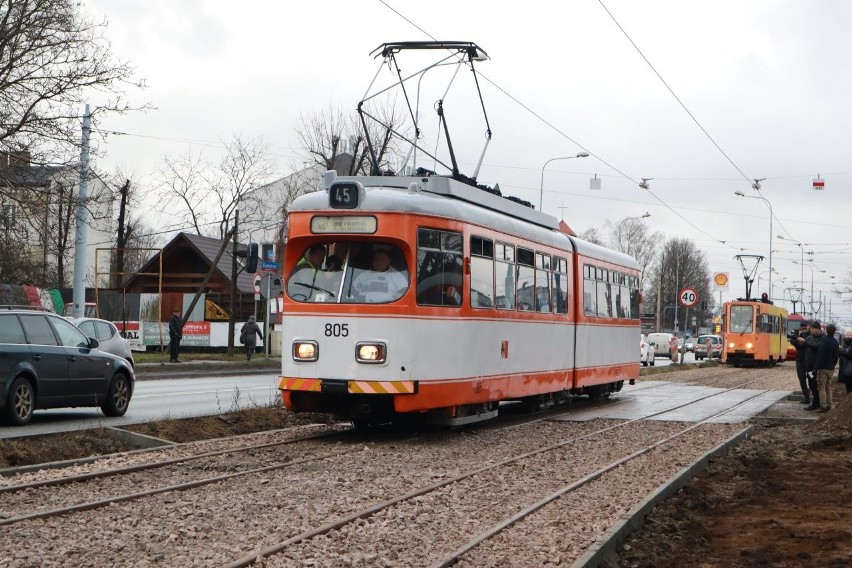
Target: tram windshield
351, 272
741, 319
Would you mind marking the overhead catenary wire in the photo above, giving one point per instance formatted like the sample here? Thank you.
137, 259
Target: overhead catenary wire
562, 133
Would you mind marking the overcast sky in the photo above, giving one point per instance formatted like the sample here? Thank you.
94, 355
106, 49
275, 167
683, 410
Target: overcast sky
769, 82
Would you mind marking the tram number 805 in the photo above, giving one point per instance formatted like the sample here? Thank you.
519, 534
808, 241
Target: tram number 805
337, 330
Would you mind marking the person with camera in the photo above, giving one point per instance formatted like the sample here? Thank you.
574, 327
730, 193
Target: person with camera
801, 364
810, 344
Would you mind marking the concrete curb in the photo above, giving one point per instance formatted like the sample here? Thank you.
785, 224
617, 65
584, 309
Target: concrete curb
142, 442
608, 543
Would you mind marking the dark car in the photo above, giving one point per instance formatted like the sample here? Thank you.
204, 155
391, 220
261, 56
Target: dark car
46, 362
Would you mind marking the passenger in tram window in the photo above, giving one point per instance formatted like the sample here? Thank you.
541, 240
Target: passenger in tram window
333, 263
382, 283
452, 296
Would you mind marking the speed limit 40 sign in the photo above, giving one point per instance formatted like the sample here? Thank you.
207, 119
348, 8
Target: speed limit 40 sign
688, 297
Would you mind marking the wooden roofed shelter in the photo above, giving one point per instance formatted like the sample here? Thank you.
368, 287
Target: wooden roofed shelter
186, 262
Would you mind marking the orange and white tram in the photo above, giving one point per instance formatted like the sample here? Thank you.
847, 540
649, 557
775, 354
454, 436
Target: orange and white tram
428, 295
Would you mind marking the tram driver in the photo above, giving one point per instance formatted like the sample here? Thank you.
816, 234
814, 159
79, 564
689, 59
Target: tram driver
382, 283
303, 283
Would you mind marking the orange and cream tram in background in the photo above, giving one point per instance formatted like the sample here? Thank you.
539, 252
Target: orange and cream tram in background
754, 333
794, 324
484, 300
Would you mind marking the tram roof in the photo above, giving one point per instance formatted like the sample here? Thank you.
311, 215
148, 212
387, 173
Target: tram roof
428, 196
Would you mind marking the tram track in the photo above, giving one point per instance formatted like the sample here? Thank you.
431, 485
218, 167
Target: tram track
322, 482
341, 524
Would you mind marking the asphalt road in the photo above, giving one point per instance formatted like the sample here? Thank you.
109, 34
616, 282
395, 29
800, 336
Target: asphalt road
158, 399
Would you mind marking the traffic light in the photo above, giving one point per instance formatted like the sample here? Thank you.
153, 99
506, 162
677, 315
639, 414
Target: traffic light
251, 260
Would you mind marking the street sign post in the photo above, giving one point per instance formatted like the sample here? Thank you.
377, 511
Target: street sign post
688, 297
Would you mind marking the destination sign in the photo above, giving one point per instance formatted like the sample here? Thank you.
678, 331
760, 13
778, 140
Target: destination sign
344, 224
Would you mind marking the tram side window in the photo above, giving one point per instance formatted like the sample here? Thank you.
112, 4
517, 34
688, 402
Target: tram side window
768, 323
481, 272
590, 294
604, 294
634, 298
560, 285
542, 282
439, 268
505, 281
526, 279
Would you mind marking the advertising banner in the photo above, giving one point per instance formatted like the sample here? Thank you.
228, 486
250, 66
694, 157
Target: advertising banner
130, 330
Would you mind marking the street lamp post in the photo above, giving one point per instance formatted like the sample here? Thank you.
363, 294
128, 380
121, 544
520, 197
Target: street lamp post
621, 224
768, 204
541, 187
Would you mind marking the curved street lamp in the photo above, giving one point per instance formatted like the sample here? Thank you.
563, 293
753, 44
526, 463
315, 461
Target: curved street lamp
541, 186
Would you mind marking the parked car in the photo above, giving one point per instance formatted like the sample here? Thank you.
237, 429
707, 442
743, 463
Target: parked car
701, 347
646, 352
46, 362
662, 344
689, 345
108, 336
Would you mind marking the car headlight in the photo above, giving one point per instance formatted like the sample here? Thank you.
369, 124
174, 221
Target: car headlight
749, 345
372, 352
305, 350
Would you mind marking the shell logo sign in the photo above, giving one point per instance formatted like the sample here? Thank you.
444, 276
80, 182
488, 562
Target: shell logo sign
720, 279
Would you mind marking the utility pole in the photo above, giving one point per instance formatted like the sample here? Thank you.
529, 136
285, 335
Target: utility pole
82, 222
232, 316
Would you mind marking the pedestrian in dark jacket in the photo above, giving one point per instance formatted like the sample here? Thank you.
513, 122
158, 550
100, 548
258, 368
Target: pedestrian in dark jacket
844, 374
801, 368
249, 334
175, 335
826, 360
810, 343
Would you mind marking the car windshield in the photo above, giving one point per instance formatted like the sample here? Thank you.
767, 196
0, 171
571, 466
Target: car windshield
352, 272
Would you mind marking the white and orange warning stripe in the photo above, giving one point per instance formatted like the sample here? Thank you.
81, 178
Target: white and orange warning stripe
381, 387
287, 383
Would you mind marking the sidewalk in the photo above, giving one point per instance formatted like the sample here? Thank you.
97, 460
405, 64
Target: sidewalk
200, 368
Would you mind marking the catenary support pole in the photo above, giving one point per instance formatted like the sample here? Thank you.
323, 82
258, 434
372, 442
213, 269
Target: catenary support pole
81, 220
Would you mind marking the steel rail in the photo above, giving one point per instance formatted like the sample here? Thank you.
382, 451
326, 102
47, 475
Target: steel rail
250, 559
456, 555
157, 464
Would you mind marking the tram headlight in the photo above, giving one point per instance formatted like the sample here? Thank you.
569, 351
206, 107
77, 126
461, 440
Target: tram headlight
731, 345
305, 350
749, 345
372, 352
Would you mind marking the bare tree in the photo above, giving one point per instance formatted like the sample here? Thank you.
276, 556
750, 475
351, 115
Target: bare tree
206, 195
51, 61
632, 237
591, 235
680, 264
336, 140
